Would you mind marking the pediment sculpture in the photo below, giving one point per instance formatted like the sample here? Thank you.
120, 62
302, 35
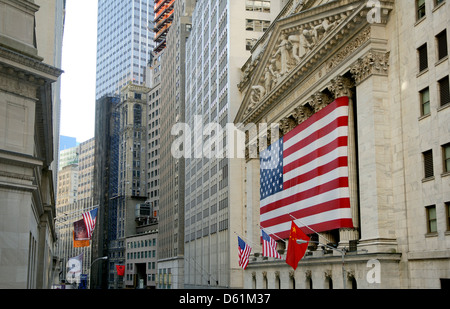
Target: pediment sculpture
291, 48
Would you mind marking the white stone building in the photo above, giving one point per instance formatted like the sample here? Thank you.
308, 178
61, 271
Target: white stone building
391, 59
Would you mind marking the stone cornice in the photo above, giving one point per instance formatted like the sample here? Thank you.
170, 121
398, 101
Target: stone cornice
28, 65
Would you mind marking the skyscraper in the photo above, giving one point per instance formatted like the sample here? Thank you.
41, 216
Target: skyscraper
218, 48
124, 43
124, 47
164, 10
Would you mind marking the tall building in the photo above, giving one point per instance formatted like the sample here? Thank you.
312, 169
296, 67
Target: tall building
131, 149
153, 134
164, 13
75, 196
124, 48
390, 63
171, 200
106, 179
27, 148
219, 44
124, 44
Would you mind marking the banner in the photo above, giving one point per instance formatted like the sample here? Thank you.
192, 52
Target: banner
74, 266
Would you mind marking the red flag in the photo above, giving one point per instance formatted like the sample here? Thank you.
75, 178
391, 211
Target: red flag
296, 251
120, 270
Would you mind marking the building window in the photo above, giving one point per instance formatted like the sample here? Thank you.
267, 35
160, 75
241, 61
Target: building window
256, 25
428, 163
249, 43
431, 219
444, 91
437, 2
257, 6
423, 57
420, 7
425, 101
446, 156
442, 48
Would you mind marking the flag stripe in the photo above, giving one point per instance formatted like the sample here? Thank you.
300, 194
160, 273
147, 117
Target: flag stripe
336, 147
310, 211
322, 170
282, 198
312, 183
325, 226
316, 221
328, 114
322, 136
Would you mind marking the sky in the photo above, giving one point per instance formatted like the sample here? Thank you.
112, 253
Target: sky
79, 66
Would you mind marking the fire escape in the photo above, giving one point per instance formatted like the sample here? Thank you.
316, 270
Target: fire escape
164, 10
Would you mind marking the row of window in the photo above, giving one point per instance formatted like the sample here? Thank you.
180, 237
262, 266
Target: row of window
142, 243
421, 10
141, 254
441, 50
443, 84
428, 161
432, 218
443, 93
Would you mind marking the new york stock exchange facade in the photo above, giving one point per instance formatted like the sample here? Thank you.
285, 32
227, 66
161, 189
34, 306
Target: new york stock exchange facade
319, 51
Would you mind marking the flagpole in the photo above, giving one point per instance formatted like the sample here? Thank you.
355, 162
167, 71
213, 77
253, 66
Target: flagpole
328, 241
246, 239
271, 233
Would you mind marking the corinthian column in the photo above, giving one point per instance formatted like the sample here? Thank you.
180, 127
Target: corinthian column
341, 86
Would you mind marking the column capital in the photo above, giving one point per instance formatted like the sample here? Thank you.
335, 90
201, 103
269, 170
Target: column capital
341, 86
372, 63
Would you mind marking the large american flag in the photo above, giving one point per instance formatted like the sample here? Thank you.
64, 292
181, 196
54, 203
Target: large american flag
244, 253
305, 175
90, 218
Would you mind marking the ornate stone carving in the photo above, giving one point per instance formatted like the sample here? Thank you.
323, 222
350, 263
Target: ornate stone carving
372, 63
348, 49
319, 100
341, 86
303, 112
292, 47
291, 274
287, 124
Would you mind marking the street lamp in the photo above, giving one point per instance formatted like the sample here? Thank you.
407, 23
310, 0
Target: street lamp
342, 252
97, 259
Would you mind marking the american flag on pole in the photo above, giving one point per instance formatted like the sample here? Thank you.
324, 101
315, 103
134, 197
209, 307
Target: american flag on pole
305, 174
90, 218
244, 253
269, 247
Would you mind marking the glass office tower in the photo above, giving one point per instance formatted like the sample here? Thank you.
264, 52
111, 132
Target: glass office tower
124, 43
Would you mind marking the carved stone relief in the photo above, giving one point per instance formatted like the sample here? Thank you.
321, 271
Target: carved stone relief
371, 63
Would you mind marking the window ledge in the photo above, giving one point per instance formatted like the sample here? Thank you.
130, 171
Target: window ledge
446, 105
420, 20
424, 71
445, 174
441, 61
431, 234
437, 7
428, 179
424, 116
